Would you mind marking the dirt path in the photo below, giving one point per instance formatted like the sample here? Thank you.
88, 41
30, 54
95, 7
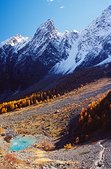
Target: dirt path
99, 162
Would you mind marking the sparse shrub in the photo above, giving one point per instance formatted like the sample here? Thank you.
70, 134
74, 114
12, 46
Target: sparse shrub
19, 103
10, 106
23, 103
93, 104
90, 119
40, 102
28, 102
81, 119
68, 146
82, 112
45, 101
4, 110
16, 106
46, 145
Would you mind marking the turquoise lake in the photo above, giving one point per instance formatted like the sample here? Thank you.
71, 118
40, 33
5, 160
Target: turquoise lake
21, 142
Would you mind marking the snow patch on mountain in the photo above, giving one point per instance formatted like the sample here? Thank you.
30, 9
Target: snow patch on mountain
62, 53
68, 65
49, 45
15, 40
89, 44
44, 34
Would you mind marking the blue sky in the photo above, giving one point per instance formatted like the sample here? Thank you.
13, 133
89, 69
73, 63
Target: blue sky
25, 16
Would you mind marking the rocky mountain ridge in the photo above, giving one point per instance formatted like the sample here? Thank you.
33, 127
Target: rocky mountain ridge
25, 61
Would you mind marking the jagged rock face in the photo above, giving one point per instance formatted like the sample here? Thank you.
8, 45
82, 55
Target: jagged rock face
104, 56
96, 37
8, 59
24, 61
89, 47
48, 45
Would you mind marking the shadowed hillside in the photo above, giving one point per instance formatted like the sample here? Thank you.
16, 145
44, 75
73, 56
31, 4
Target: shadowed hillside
96, 118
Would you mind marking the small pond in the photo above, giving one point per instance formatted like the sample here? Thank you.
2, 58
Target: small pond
21, 142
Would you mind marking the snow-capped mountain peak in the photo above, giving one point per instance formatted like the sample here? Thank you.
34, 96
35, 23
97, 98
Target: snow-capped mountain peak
49, 25
14, 40
47, 29
43, 36
51, 52
85, 50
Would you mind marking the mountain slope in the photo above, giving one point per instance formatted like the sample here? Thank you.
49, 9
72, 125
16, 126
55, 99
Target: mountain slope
24, 61
88, 50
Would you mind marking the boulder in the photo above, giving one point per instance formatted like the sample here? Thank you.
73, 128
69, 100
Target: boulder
8, 137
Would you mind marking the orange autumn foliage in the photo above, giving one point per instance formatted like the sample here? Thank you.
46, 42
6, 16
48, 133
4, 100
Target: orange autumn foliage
34, 98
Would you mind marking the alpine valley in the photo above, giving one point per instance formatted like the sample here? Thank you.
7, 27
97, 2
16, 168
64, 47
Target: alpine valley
55, 98
27, 61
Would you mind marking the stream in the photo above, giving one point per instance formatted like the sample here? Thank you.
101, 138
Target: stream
99, 163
